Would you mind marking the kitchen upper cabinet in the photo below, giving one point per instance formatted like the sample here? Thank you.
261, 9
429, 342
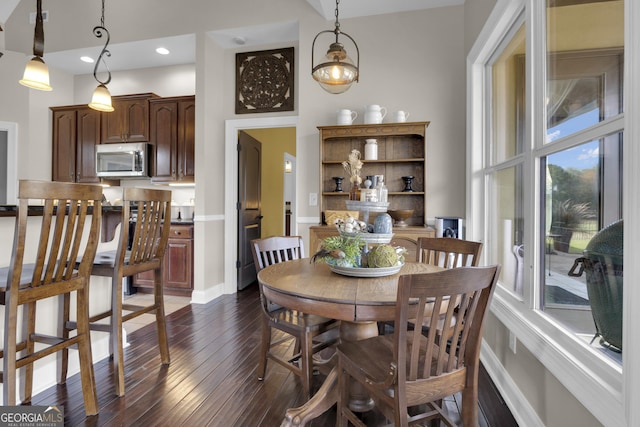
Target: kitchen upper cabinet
173, 139
129, 121
76, 131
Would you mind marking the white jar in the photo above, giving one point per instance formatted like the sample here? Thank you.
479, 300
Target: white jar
371, 149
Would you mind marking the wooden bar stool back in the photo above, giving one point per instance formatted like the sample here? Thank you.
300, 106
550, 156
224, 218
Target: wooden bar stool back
67, 241
304, 328
142, 251
409, 368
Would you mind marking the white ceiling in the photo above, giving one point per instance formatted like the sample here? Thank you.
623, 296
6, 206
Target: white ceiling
141, 54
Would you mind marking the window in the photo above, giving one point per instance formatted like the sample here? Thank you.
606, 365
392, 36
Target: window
505, 171
580, 162
546, 140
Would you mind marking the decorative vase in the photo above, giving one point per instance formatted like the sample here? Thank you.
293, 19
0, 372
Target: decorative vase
354, 193
338, 180
383, 224
407, 183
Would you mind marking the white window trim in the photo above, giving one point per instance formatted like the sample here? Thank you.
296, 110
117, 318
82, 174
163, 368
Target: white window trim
595, 381
631, 207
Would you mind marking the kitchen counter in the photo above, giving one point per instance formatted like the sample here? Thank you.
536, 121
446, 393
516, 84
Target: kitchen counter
110, 217
36, 210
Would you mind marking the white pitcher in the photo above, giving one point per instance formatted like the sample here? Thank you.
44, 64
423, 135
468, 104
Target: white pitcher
400, 116
374, 114
346, 117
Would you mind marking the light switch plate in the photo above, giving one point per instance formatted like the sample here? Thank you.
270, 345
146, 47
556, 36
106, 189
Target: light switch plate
313, 199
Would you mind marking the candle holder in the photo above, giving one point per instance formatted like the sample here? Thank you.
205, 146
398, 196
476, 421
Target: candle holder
407, 183
338, 180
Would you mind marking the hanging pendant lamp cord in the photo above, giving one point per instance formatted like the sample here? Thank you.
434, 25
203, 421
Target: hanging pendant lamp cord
98, 31
337, 30
38, 39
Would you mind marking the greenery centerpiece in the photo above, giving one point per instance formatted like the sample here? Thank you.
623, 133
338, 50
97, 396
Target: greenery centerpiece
342, 250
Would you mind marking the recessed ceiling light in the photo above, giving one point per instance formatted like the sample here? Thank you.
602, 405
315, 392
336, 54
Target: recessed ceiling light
87, 59
239, 40
162, 51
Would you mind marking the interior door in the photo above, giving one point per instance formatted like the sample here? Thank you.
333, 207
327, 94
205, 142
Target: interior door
249, 214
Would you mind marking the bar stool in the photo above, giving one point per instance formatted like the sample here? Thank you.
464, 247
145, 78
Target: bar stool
142, 251
68, 233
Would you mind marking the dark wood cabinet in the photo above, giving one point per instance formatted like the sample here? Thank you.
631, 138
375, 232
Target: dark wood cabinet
168, 124
173, 139
76, 131
177, 271
129, 121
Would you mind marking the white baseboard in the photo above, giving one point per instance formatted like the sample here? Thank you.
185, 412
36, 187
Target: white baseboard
203, 297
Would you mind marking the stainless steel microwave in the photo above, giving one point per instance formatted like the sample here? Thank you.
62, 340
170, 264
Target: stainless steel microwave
121, 160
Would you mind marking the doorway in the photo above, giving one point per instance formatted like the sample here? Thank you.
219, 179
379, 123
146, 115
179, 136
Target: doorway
232, 128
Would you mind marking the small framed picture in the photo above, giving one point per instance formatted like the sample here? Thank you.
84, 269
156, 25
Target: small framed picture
264, 81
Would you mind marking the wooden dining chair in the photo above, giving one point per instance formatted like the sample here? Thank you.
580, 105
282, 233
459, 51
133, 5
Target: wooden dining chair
304, 328
408, 369
67, 232
447, 253
136, 253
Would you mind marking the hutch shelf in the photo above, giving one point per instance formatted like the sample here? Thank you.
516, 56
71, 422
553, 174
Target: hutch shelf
401, 152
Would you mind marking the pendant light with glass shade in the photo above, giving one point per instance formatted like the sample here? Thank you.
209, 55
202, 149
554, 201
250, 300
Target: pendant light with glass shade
36, 73
338, 71
101, 99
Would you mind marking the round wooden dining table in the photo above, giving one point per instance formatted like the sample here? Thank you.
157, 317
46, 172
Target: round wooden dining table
359, 302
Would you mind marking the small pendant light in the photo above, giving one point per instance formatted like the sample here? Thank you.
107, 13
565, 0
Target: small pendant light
338, 72
101, 99
36, 73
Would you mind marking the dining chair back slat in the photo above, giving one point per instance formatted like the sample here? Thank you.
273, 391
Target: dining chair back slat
278, 249
448, 252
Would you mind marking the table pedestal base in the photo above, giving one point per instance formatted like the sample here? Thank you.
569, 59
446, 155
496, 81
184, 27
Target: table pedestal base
327, 395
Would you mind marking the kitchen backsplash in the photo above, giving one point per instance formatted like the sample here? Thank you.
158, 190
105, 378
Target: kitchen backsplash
180, 196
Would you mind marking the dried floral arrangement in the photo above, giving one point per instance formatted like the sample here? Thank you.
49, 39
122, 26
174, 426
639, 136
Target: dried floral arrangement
353, 166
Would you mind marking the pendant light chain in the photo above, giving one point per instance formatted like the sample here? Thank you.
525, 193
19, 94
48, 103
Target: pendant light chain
98, 32
102, 15
337, 22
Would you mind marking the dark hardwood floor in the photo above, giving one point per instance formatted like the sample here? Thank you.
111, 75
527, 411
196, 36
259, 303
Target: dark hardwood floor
211, 380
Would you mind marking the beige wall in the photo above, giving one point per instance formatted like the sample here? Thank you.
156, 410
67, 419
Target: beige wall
553, 404
476, 13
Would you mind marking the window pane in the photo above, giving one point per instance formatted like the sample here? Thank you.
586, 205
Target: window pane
508, 222
508, 86
580, 199
584, 64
